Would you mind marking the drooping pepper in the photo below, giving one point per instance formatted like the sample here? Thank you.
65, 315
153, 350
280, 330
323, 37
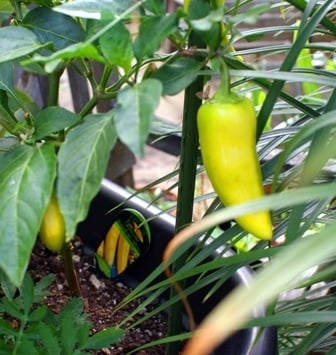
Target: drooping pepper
227, 134
52, 230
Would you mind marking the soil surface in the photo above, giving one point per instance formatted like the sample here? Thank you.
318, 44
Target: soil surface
101, 295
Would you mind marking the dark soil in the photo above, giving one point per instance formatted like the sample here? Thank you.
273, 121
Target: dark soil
101, 295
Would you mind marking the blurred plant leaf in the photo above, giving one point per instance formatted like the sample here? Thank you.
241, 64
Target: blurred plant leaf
53, 119
94, 9
116, 46
17, 42
134, 113
153, 30
27, 175
81, 168
177, 75
51, 26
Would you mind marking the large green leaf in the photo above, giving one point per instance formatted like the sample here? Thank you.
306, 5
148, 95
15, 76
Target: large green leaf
153, 30
178, 75
51, 26
83, 160
26, 180
16, 42
94, 9
134, 113
6, 76
53, 119
116, 45
74, 51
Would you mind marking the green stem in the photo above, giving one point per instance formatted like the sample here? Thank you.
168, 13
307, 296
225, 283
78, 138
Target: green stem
105, 77
224, 91
88, 106
17, 9
70, 271
186, 188
53, 92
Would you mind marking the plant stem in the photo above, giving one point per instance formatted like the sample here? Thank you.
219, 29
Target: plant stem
186, 189
70, 272
53, 90
224, 91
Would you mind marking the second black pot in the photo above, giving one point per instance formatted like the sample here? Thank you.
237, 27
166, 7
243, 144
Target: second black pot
98, 222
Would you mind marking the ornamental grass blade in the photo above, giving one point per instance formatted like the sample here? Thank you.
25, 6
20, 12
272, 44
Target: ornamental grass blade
279, 276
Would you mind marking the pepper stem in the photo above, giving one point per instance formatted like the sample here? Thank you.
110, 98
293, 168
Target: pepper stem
224, 93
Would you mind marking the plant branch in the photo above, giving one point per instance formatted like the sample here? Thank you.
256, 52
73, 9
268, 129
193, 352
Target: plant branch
186, 188
70, 271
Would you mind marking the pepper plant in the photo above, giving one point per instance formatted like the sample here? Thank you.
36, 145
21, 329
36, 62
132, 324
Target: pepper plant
47, 150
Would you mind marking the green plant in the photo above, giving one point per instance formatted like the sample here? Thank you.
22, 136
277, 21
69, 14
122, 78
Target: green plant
47, 148
27, 326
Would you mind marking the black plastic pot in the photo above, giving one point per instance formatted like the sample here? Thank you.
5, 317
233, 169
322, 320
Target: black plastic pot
94, 228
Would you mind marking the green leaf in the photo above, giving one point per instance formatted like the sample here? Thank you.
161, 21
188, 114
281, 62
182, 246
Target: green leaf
177, 75
94, 8
41, 287
7, 288
53, 119
68, 332
51, 26
78, 50
116, 46
16, 42
12, 309
134, 113
6, 328
6, 76
206, 23
27, 175
49, 338
27, 293
27, 346
83, 160
103, 266
39, 313
153, 30
8, 143
105, 337
251, 15
157, 7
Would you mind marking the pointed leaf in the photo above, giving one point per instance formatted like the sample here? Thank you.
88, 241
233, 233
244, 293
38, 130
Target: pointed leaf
105, 337
53, 119
77, 50
27, 346
39, 313
94, 8
27, 293
134, 113
178, 75
157, 7
48, 338
82, 165
26, 181
16, 42
51, 26
6, 76
153, 30
116, 45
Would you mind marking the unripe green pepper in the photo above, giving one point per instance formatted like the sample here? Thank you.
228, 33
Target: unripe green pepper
52, 231
227, 134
